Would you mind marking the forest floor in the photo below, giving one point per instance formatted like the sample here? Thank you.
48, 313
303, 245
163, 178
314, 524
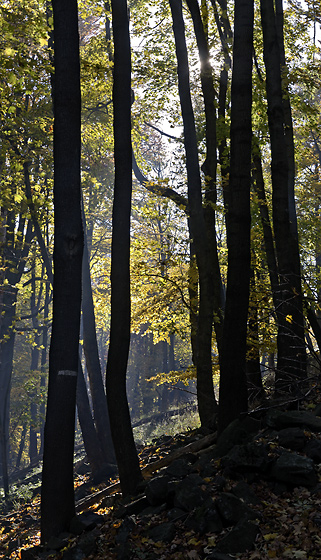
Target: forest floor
289, 520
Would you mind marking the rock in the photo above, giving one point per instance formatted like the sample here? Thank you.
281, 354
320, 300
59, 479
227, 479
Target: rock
176, 513
31, 553
244, 491
205, 466
252, 457
179, 468
293, 418
133, 508
317, 410
74, 553
295, 469
156, 490
237, 432
232, 509
126, 528
153, 510
313, 450
188, 496
240, 539
164, 532
85, 522
56, 543
205, 519
87, 542
292, 438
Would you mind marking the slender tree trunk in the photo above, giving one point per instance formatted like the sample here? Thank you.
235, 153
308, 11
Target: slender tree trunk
97, 389
14, 254
210, 164
122, 434
21, 445
233, 387
253, 367
291, 365
91, 442
57, 496
205, 390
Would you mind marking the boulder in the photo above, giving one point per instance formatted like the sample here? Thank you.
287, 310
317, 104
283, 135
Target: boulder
295, 469
164, 532
244, 491
293, 419
292, 438
313, 450
204, 519
237, 432
232, 509
188, 495
248, 458
240, 539
156, 490
179, 468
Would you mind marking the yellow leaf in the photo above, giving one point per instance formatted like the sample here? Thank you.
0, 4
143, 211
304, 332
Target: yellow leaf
272, 553
211, 541
289, 318
194, 542
270, 536
9, 51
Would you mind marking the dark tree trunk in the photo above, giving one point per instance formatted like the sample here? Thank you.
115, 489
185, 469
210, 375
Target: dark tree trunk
291, 365
44, 361
14, 254
21, 445
97, 389
57, 496
33, 439
205, 390
210, 164
253, 367
122, 434
233, 387
90, 438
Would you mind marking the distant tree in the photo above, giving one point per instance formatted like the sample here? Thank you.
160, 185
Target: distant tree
57, 495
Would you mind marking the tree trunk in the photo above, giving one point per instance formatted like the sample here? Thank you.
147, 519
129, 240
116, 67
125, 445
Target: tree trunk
97, 389
205, 390
210, 165
291, 365
122, 434
90, 438
233, 387
57, 496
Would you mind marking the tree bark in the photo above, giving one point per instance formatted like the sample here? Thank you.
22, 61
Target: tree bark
209, 166
291, 365
57, 495
97, 389
122, 434
233, 387
205, 390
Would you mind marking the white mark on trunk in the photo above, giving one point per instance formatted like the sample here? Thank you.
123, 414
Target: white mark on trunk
68, 372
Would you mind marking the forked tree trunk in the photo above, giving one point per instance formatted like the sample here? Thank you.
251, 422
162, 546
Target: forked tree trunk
57, 495
205, 390
122, 434
291, 365
233, 386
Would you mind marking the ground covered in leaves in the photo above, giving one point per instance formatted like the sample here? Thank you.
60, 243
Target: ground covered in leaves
289, 518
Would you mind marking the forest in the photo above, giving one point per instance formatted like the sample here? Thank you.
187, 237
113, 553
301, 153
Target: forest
160, 278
